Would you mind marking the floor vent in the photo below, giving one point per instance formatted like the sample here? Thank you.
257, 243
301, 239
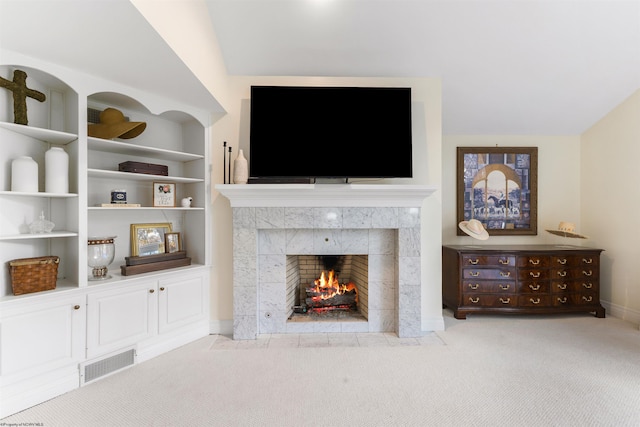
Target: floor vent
109, 365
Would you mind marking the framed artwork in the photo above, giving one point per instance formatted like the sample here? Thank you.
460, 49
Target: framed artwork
149, 239
498, 186
172, 242
164, 194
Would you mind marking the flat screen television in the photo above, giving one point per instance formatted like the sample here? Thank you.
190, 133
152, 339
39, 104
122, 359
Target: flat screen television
330, 132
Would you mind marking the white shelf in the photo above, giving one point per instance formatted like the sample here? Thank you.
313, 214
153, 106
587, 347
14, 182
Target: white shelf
100, 173
38, 194
52, 235
100, 208
45, 135
110, 146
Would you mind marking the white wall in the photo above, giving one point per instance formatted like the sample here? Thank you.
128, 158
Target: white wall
610, 203
426, 105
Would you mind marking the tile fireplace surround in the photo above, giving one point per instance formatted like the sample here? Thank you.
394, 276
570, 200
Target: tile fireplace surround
271, 221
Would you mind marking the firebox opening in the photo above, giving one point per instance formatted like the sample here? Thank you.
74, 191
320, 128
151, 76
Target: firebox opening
327, 287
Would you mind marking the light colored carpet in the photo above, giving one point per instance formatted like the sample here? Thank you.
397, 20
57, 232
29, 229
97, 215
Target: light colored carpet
573, 370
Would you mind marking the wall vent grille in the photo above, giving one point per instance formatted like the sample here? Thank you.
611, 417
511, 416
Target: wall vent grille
108, 365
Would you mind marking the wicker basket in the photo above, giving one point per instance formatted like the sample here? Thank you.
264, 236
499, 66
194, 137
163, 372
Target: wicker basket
33, 274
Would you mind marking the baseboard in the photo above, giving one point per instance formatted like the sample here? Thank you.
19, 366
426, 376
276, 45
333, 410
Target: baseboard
27, 393
170, 341
221, 327
622, 312
431, 324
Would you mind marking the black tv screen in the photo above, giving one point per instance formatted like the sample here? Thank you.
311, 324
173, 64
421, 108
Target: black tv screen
330, 132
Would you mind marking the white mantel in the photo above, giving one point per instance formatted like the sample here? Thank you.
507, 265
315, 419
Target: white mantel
318, 195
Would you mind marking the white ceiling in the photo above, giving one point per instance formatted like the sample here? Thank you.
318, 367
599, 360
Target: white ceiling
545, 67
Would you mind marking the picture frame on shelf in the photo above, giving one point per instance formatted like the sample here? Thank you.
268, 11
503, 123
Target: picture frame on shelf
164, 194
498, 186
172, 242
149, 239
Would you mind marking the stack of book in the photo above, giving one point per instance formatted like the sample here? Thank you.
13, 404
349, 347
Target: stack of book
148, 263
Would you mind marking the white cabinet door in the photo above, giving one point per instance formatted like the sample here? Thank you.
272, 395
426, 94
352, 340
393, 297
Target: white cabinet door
182, 300
121, 317
41, 337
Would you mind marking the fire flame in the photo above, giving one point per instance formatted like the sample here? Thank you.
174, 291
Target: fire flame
328, 286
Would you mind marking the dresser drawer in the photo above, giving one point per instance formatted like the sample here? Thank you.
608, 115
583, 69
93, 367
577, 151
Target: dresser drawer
534, 300
484, 286
535, 274
574, 260
488, 273
496, 260
539, 261
489, 300
566, 286
533, 287
574, 273
575, 299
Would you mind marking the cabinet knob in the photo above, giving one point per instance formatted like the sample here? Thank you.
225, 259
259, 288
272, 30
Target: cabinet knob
162, 289
76, 307
151, 291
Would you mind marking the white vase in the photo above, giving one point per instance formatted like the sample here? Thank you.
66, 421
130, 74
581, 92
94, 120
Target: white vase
56, 168
24, 175
240, 169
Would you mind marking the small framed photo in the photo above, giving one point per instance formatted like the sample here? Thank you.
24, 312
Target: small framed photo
149, 239
172, 242
164, 194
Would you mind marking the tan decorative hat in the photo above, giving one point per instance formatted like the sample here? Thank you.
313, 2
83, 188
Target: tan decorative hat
114, 125
567, 229
474, 228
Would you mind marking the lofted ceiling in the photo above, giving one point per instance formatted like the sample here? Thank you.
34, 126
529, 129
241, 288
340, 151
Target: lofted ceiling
538, 67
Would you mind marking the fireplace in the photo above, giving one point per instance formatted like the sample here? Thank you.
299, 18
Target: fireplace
327, 287
275, 224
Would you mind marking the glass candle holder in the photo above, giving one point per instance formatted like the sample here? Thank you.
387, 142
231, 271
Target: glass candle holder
100, 253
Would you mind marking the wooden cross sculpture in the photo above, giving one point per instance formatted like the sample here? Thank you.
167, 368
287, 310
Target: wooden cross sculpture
20, 93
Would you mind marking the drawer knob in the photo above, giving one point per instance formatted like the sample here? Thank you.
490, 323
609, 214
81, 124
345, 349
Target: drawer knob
562, 286
534, 261
534, 287
151, 291
505, 274
505, 301
587, 260
562, 300
588, 285
562, 261
504, 287
562, 273
76, 307
587, 299
503, 261
473, 261
474, 286
474, 273
535, 274
162, 288
534, 301
474, 300
587, 273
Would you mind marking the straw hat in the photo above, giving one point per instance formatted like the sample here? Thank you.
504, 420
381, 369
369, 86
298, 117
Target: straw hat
567, 229
113, 125
474, 228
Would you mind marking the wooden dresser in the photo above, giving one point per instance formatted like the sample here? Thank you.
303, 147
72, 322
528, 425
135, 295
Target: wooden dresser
521, 279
